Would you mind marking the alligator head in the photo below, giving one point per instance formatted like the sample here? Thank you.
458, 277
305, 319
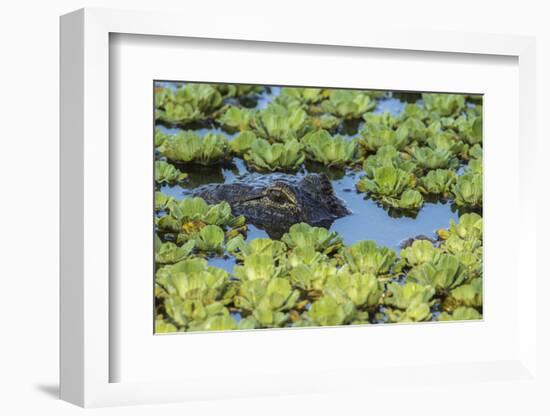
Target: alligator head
275, 201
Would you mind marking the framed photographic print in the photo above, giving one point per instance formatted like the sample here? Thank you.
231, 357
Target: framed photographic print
285, 207
302, 214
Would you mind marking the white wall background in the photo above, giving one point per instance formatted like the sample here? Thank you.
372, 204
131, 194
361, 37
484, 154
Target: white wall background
29, 56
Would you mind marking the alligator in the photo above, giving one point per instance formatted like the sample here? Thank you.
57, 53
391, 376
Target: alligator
274, 202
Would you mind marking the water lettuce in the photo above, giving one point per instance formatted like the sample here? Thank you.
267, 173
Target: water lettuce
444, 105
469, 294
312, 277
420, 252
210, 238
386, 181
416, 312
367, 257
258, 267
241, 249
438, 182
468, 190
321, 147
462, 313
305, 95
242, 144
388, 156
374, 137
189, 103
235, 118
411, 199
264, 156
348, 104
363, 290
267, 301
319, 238
170, 253
279, 124
443, 274
329, 312
403, 296
168, 173
196, 209
429, 158
188, 147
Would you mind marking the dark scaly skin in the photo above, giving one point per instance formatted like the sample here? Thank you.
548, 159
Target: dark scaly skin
276, 201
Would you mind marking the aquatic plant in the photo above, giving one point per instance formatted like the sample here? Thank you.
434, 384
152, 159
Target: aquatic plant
446, 142
475, 152
416, 129
239, 90
241, 144
167, 173
312, 277
325, 121
170, 253
362, 289
235, 118
321, 147
267, 301
193, 279
469, 294
163, 327
415, 312
348, 104
444, 105
210, 238
438, 182
429, 158
217, 322
443, 274
402, 296
192, 291
241, 249
162, 201
258, 267
190, 314
188, 147
388, 156
468, 190
328, 312
380, 120
190, 103
420, 252
462, 313
386, 181
469, 227
374, 137
160, 137
414, 111
470, 129
277, 156
367, 257
196, 209
304, 235
279, 124
305, 95
305, 255
411, 199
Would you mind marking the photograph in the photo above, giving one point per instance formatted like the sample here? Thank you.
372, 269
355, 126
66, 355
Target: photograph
307, 206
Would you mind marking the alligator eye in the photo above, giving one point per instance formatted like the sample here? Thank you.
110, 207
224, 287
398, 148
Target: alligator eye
277, 196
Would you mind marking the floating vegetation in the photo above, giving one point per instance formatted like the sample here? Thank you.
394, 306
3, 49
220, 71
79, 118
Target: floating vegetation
284, 264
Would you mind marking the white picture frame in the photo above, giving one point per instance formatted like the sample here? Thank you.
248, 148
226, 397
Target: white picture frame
86, 328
